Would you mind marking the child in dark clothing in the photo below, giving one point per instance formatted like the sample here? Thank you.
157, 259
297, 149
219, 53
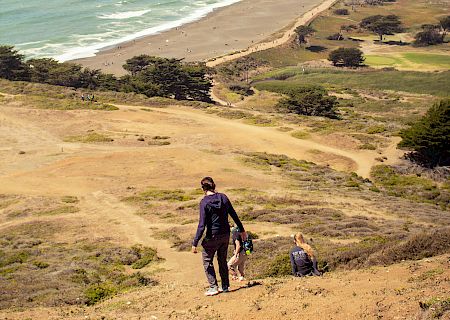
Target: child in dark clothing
303, 260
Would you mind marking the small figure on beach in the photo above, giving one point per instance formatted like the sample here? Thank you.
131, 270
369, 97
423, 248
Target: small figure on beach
82, 97
214, 210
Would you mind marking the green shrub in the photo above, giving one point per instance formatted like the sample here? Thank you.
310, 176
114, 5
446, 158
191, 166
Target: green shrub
309, 101
376, 129
98, 292
146, 255
16, 257
280, 266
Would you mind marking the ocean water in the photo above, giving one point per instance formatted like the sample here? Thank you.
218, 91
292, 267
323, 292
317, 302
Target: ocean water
71, 29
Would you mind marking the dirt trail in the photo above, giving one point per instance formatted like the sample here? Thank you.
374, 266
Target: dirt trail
268, 139
122, 218
303, 20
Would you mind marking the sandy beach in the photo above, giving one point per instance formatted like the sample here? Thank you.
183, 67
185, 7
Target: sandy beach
234, 28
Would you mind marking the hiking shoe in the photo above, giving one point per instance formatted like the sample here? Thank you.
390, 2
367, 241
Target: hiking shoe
241, 279
224, 289
212, 291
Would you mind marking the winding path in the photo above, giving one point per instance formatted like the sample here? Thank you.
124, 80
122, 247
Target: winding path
304, 19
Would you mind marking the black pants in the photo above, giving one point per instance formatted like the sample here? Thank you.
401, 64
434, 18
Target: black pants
219, 244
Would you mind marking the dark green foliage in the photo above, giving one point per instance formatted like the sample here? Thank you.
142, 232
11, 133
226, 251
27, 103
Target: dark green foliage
335, 36
444, 22
50, 71
309, 101
241, 88
382, 25
341, 12
150, 76
12, 66
347, 57
430, 35
430, 136
139, 63
154, 76
302, 33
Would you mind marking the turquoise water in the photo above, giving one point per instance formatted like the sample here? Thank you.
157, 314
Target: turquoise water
71, 29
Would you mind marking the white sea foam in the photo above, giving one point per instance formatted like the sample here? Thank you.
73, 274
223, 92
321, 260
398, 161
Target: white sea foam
79, 52
124, 15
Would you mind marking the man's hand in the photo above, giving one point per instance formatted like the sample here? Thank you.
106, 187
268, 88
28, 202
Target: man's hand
194, 249
244, 235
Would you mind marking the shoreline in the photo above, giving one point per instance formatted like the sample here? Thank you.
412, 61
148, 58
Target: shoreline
236, 29
94, 49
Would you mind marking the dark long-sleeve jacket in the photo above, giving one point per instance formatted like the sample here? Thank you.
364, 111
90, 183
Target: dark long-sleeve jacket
302, 264
214, 211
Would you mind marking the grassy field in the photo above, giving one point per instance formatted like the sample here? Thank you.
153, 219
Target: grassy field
409, 60
415, 82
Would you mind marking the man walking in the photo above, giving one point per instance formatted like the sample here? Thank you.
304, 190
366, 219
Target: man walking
214, 210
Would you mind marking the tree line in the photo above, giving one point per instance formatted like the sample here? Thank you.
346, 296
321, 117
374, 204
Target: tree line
151, 76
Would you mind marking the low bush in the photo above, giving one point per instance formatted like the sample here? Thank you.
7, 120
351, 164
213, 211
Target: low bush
280, 266
376, 129
37, 271
335, 36
146, 255
409, 186
309, 101
341, 12
271, 259
99, 292
437, 307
